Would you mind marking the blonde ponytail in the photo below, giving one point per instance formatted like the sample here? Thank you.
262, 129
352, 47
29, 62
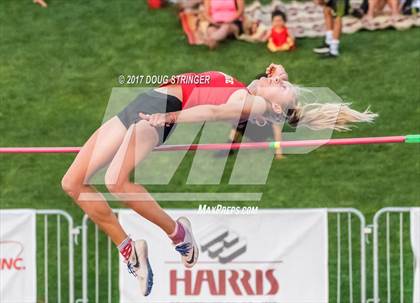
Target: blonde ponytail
336, 116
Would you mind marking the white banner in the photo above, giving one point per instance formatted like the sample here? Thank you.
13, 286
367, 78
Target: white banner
17, 256
415, 242
272, 256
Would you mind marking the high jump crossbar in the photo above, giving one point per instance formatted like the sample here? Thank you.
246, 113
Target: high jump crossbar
235, 146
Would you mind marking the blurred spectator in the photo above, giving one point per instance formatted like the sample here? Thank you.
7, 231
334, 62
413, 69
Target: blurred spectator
225, 17
377, 6
410, 7
154, 4
279, 38
254, 31
41, 3
334, 11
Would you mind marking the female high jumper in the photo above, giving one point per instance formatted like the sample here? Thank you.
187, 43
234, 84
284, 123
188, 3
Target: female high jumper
148, 121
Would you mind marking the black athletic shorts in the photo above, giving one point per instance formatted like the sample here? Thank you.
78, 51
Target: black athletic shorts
340, 7
150, 102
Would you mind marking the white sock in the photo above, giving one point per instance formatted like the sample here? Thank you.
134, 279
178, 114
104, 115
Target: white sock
126, 248
334, 47
328, 37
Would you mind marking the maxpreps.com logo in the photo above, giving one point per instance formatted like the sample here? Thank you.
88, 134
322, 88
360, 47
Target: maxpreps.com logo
224, 274
10, 255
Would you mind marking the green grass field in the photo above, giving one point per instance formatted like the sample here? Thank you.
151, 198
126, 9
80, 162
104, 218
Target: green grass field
58, 66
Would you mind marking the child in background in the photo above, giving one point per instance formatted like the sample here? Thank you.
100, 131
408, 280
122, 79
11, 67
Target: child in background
279, 38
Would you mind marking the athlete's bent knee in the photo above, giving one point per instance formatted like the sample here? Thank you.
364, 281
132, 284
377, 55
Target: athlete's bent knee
70, 186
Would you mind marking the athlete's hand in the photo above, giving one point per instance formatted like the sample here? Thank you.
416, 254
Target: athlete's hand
277, 70
155, 120
159, 119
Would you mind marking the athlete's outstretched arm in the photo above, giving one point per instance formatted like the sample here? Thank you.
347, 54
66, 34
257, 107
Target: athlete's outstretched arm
240, 106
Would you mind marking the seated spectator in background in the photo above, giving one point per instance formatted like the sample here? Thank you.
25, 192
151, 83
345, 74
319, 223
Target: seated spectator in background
370, 8
334, 11
225, 17
41, 3
279, 38
377, 6
410, 7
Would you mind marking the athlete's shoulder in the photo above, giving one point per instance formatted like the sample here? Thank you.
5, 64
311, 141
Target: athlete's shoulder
215, 74
224, 78
240, 95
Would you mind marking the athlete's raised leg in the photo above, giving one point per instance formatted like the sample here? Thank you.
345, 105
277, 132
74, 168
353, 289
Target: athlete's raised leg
138, 143
99, 149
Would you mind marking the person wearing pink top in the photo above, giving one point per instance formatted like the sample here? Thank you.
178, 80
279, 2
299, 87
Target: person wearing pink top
225, 17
